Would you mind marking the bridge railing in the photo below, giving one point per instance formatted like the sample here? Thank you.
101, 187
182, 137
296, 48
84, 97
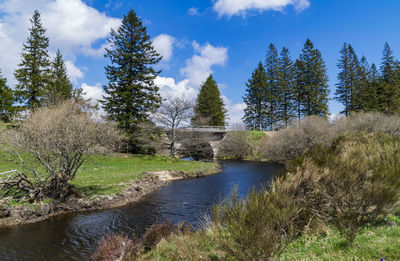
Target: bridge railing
209, 128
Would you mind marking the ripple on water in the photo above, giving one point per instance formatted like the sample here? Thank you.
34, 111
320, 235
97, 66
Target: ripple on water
76, 236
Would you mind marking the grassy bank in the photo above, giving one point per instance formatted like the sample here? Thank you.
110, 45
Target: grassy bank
372, 243
105, 175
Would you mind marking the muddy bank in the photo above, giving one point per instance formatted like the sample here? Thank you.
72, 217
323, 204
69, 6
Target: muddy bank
11, 216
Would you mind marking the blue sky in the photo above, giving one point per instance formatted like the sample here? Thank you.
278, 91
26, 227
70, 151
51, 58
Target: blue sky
224, 37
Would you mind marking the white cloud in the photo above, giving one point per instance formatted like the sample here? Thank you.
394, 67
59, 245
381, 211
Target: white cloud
196, 71
95, 93
242, 7
72, 26
193, 11
235, 111
164, 44
198, 68
74, 72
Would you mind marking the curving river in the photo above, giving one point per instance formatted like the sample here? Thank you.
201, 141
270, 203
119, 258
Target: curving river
75, 236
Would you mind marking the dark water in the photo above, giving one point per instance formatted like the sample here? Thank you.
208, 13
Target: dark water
75, 236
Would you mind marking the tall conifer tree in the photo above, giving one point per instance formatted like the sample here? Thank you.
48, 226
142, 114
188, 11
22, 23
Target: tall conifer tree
33, 72
286, 88
255, 113
312, 81
272, 70
210, 108
388, 91
131, 92
351, 78
299, 91
368, 97
60, 87
6, 101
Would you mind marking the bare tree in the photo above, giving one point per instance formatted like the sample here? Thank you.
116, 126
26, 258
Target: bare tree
53, 143
173, 113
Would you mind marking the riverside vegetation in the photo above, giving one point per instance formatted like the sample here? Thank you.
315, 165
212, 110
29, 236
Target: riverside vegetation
339, 199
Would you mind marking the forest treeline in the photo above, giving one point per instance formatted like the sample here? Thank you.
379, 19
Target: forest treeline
281, 90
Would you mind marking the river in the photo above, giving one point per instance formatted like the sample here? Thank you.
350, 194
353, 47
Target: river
76, 236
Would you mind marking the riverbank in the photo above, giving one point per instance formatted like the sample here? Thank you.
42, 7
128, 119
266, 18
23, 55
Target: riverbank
376, 242
106, 182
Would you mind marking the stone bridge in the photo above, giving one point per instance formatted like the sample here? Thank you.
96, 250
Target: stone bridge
212, 134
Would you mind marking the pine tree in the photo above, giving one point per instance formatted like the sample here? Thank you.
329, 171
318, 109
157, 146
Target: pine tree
312, 81
209, 109
272, 70
299, 91
131, 92
6, 101
60, 86
33, 72
351, 78
286, 88
255, 113
368, 97
388, 91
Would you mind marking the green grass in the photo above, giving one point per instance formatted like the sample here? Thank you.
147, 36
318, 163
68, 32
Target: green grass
382, 241
256, 136
105, 175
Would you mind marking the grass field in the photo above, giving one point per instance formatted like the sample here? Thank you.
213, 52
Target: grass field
104, 175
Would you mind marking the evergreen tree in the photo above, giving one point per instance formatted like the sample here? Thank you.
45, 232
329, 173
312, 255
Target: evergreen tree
60, 87
33, 72
299, 92
131, 92
368, 97
351, 78
388, 91
272, 71
6, 101
209, 109
286, 88
255, 113
312, 81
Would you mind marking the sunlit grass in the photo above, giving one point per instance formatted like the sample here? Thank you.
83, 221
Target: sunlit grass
110, 174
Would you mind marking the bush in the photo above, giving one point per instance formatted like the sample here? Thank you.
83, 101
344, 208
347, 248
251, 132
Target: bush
111, 248
235, 144
350, 183
370, 122
290, 143
257, 228
55, 142
156, 233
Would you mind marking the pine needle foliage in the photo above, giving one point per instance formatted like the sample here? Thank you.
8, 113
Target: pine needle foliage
210, 108
131, 93
33, 72
60, 87
256, 110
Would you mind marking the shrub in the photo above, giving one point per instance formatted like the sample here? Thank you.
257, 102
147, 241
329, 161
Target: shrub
55, 142
370, 122
235, 144
257, 228
111, 248
156, 233
350, 183
290, 143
